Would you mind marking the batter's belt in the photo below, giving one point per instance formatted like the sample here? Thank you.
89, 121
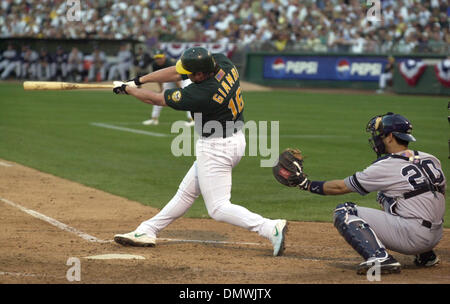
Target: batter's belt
227, 131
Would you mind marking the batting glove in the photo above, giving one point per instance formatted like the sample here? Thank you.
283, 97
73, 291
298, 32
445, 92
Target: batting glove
134, 83
119, 87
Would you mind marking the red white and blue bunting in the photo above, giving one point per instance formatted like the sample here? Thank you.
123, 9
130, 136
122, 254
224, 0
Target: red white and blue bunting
412, 70
175, 50
443, 72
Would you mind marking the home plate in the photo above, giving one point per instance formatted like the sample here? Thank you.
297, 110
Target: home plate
115, 256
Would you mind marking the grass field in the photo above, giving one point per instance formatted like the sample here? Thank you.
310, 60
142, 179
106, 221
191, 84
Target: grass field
53, 132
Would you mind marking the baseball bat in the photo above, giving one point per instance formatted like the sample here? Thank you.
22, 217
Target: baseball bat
57, 85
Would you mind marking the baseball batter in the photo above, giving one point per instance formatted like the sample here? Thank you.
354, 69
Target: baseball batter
411, 190
161, 61
215, 94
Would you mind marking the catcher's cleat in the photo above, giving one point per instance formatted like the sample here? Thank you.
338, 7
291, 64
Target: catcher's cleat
150, 122
426, 259
278, 237
135, 239
387, 265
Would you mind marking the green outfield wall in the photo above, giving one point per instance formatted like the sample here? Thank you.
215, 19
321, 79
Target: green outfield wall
428, 84
350, 71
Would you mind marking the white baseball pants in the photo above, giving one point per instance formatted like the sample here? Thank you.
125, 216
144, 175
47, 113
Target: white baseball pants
12, 66
4, 64
121, 68
384, 78
210, 176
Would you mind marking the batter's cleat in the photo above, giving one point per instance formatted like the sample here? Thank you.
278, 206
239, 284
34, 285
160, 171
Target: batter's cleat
278, 237
426, 259
135, 239
380, 91
387, 265
189, 123
151, 122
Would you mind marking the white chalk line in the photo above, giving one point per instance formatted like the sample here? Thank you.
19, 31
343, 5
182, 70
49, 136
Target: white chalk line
94, 239
209, 242
54, 222
137, 123
168, 240
135, 131
314, 136
5, 164
156, 134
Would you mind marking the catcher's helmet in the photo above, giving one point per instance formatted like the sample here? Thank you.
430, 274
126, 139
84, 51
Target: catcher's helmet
382, 125
196, 59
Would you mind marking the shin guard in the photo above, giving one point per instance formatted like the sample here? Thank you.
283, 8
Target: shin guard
357, 232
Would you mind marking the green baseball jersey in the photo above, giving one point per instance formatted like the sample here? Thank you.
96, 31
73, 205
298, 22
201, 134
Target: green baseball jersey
218, 99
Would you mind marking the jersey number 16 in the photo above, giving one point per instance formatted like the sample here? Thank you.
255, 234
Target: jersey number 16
236, 105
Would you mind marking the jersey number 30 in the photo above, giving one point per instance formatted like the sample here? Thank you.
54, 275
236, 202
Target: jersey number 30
236, 105
416, 178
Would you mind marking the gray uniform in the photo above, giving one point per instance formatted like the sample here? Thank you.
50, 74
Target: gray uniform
411, 222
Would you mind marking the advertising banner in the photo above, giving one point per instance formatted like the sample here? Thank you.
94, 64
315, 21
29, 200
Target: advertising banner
323, 68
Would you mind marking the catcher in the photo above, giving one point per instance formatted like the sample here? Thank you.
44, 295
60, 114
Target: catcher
411, 190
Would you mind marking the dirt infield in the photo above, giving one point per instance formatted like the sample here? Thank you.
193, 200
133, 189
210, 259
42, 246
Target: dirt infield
34, 251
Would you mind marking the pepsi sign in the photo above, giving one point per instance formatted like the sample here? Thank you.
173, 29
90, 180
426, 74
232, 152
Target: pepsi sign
323, 68
284, 67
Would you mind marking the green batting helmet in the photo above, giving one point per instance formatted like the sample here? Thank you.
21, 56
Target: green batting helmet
196, 59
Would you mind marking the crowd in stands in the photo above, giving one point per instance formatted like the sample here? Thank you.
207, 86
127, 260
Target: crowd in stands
405, 26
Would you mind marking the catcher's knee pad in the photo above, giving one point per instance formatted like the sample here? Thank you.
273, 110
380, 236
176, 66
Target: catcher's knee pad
345, 210
357, 232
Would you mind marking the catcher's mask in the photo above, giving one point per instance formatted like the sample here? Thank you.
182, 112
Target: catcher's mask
381, 126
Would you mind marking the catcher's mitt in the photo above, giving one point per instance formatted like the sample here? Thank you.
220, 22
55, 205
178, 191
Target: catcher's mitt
289, 169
